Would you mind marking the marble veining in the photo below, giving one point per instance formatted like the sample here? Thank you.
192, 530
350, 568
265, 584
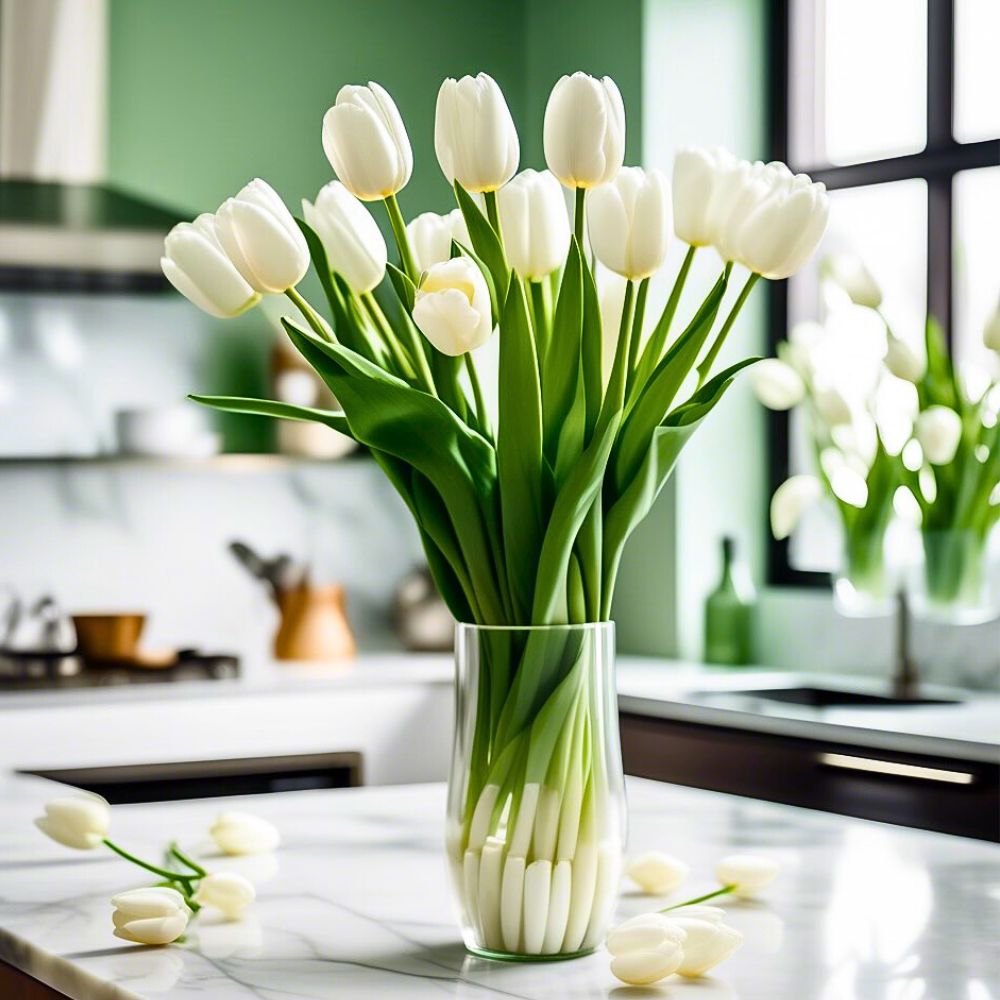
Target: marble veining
356, 904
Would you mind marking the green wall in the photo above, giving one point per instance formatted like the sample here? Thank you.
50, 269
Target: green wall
206, 94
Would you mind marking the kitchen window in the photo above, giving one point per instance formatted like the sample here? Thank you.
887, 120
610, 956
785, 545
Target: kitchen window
892, 104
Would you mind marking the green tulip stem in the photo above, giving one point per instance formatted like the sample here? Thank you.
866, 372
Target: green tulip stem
578, 216
162, 872
404, 363
540, 314
402, 241
633, 344
176, 852
700, 899
477, 393
310, 314
706, 365
493, 214
658, 338
616, 384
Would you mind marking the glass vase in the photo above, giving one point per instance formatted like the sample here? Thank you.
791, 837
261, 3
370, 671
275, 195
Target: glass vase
864, 586
536, 796
955, 580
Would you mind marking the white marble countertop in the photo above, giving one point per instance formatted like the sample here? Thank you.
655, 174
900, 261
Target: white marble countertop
356, 904
670, 689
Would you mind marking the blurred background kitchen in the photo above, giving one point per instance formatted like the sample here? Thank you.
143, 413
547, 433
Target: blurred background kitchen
152, 549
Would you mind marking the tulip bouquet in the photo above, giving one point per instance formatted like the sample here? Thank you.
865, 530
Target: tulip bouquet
857, 417
160, 914
523, 512
952, 469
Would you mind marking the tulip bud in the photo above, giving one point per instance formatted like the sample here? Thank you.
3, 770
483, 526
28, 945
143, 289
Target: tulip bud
697, 178
656, 873
939, 431
833, 409
777, 384
790, 501
646, 949
430, 237
474, 135
156, 915
747, 873
903, 361
776, 220
262, 239
706, 944
991, 333
628, 220
243, 833
195, 264
453, 309
226, 891
849, 272
584, 131
534, 223
77, 821
366, 143
353, 241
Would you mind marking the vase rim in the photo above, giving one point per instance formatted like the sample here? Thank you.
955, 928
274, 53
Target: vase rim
566, 627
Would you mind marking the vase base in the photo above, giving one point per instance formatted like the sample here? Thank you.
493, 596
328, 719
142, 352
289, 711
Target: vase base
510, 956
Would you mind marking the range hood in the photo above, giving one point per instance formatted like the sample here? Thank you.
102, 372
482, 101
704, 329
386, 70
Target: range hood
62, 228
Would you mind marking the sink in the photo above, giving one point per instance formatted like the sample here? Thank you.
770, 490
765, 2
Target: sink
818, 697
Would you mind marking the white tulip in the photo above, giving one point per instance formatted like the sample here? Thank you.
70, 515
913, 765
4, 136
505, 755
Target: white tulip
452, 308
195, 264
939, 431
77, 821
849, 486
706, 944
584, 132
991, 332
777, 384
790, 501
628, 220
226, 891
243, 833
904, 362
849, 272
775, 222
430, 237
741, 188
646, 949
157, 915
353, 241
656, 873
474, 134
748, 874
534, 223
696, 183
831, 405
366, 143
262, 239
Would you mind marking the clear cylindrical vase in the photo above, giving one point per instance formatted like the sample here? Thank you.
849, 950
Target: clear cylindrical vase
536, 797
956, 580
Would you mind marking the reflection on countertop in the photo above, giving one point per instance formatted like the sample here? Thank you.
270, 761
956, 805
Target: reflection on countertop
356, 904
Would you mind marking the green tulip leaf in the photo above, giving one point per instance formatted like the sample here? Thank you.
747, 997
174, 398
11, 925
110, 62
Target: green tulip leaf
485, 241
519, 449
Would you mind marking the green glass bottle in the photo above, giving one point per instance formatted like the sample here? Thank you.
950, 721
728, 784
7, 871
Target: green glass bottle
729, 613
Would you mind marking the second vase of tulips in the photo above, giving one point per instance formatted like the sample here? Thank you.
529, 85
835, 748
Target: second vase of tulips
523, 507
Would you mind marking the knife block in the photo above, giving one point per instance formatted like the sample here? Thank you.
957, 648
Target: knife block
313, 625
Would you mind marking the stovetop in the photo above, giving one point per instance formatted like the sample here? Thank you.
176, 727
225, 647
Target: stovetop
25, 671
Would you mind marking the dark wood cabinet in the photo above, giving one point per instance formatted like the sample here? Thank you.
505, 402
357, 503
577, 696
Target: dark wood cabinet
947, 795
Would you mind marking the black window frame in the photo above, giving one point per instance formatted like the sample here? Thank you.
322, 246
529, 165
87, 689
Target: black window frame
938, 163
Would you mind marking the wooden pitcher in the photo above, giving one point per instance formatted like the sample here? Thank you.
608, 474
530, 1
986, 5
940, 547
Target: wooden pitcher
313, 624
